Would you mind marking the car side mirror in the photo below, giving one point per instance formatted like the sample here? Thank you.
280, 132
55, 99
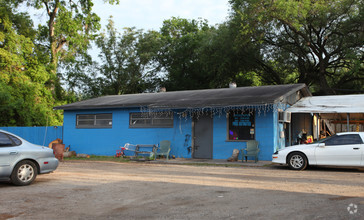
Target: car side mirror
321, 145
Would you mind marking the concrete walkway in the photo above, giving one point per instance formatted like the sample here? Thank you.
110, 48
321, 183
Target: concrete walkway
186, 161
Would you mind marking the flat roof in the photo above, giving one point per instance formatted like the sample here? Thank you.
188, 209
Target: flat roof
329, 104
240, 96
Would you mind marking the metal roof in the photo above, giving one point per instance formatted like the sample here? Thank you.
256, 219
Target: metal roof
329, 104
240, 96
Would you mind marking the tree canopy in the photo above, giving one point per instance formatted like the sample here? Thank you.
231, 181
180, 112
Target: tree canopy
30, 85
198, 56
24, 101
319, 42
263, 42
126, 63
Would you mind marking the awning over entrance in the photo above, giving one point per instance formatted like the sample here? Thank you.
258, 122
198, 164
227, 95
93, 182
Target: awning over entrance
329, 104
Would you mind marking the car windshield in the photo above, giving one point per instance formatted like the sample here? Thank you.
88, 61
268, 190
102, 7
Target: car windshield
323, 139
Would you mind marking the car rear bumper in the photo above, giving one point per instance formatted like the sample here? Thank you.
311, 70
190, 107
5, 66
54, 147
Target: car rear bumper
48, 165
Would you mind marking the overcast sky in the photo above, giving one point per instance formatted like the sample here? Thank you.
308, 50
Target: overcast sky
149, 14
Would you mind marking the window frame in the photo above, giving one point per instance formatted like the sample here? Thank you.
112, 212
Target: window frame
228, 125
152, 117
94, 120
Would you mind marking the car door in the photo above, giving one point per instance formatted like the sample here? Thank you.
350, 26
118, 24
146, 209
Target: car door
9, 152
340, 150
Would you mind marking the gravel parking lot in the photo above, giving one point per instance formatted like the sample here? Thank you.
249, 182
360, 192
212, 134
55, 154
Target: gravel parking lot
107, 190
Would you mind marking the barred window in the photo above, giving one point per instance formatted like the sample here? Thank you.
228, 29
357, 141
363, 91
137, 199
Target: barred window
151, 120
94, 121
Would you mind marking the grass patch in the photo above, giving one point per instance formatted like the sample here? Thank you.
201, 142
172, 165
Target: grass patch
129, 159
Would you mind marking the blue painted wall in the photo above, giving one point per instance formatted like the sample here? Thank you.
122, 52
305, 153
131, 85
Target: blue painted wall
37, 135
223, 149
107, 140
266, 133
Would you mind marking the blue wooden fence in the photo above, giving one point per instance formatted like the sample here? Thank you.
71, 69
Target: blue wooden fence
37, 135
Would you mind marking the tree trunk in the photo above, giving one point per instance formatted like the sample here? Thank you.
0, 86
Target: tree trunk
52, 13
52, 39
325, 89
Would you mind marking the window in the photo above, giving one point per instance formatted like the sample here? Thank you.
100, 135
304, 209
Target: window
153, 120
241, 125
347, 139
94, 121
8, 140
15, 140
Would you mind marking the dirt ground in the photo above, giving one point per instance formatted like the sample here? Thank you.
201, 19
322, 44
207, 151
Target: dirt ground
107, 190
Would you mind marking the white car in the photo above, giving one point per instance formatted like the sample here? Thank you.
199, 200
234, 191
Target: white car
21, 161
342, 149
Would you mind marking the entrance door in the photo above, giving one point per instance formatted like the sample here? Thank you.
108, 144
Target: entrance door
202, 137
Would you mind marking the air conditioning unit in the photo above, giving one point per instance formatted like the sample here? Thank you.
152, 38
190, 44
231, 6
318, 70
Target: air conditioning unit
284, 116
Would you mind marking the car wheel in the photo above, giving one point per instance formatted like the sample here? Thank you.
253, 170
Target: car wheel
297, 161
24, 173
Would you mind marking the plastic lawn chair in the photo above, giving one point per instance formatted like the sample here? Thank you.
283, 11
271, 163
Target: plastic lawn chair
163, 149
251, 150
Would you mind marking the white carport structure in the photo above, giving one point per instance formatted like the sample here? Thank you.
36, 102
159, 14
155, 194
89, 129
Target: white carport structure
335, 111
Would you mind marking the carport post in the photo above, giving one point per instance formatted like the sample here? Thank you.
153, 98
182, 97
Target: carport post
317, 127
290, 134
347, 122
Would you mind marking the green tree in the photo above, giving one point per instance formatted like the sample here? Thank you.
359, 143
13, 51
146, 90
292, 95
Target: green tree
24, 101
316, 42
126, 57
180, 53
227, 58
195, 55
70, 27
126, 66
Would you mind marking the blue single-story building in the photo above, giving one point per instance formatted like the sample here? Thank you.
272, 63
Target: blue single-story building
206, 123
